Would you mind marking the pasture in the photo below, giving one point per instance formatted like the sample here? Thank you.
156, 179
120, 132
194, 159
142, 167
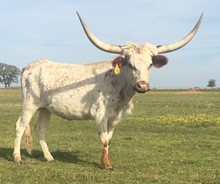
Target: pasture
173, 136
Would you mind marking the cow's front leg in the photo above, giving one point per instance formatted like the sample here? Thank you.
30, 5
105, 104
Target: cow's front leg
105, 129
105, 141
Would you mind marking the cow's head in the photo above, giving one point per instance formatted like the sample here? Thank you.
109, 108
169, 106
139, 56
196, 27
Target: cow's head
136, 63
137, 59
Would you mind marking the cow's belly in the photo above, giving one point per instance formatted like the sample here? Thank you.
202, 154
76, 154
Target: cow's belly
70, 106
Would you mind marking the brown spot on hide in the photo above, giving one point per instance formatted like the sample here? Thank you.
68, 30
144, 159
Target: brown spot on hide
106, 163
104, 144
109, 73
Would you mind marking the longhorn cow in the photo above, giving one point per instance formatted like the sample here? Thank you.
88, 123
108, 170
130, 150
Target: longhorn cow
100, 91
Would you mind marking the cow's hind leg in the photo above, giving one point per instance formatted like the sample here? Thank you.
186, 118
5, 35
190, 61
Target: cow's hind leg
28, 139
42, 123
21, 124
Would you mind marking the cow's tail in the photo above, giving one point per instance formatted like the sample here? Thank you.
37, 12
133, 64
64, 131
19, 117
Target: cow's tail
28, 140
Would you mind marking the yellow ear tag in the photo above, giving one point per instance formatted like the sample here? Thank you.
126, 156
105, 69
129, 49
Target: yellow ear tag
117, 69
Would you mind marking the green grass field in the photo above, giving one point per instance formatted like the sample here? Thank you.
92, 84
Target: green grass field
172, 137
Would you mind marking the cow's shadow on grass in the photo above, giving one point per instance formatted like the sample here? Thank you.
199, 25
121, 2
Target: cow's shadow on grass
61, 156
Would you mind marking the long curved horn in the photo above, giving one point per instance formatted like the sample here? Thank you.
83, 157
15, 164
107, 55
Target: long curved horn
177, 45
98, 43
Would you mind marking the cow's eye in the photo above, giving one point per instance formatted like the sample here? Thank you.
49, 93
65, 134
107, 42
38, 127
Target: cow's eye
131, 66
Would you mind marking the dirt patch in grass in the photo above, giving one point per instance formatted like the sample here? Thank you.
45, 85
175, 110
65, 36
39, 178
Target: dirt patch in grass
10, 105
191, 91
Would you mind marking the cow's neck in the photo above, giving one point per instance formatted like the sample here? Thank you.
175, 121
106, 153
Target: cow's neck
126, 91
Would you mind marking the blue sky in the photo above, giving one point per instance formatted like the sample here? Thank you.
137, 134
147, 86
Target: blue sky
50, 29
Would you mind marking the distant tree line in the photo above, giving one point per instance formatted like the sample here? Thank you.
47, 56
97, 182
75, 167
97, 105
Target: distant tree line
9, 74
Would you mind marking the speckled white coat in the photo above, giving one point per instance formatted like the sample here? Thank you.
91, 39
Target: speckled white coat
90, 91
87, 91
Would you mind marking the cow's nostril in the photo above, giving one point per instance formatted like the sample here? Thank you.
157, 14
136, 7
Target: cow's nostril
141, 87
138, 85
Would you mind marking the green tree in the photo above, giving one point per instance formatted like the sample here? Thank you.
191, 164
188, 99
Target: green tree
9, 74
211, 83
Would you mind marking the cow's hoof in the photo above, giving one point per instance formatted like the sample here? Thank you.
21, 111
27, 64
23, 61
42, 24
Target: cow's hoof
51, 161
110, 168
49, 157
17, 158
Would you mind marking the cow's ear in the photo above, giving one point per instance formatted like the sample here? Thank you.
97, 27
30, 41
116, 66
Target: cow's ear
159, 61
119, 60
117, 64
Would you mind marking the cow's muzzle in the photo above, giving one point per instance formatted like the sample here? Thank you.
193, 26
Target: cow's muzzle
141, 87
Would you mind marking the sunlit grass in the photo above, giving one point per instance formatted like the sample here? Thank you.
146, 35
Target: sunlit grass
172, 137
194, 119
